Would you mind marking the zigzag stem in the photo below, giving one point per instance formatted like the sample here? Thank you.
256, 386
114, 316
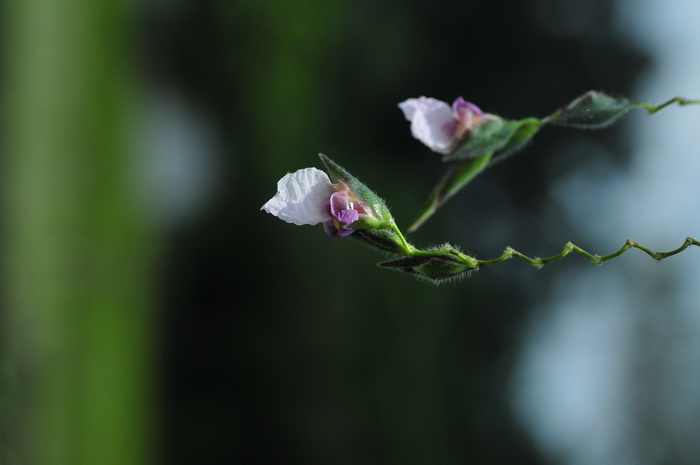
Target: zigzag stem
655, 108
597, 259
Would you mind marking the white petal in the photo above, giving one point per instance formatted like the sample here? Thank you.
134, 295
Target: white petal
301, 197
429, 119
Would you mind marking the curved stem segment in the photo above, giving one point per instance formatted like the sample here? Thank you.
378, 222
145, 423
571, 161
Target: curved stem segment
597, 259
447, 262
655, 108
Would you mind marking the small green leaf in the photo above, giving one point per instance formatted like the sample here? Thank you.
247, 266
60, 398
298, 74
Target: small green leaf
592, 110
457, 177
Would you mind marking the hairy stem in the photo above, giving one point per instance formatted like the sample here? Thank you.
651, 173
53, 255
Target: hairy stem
597, 259
655, 108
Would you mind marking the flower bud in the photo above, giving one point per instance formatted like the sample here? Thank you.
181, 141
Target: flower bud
437, 268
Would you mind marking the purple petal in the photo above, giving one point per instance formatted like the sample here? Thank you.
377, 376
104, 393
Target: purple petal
460, 107
330, 229
333, 232
339, 201
345, 232
345, 217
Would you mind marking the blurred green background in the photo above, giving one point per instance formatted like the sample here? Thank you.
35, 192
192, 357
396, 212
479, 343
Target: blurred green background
152, 313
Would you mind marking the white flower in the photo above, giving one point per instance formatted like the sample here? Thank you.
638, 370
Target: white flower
439, 125
301, 197
432, 122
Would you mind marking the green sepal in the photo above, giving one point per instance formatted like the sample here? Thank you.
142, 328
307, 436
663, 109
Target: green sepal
525, 130
380, 216
442, 268
500, 136
592, 110
457, 177
382, 239
486, 137
405, 264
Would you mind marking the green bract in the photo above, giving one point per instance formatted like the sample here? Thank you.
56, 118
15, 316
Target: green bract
592, 110
379, 214
435, 268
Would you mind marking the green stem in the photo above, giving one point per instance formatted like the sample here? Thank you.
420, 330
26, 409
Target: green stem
413, 251
655, 108
408, 248
597, 259
446, 262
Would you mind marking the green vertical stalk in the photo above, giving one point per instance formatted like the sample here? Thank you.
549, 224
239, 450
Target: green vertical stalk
75, 250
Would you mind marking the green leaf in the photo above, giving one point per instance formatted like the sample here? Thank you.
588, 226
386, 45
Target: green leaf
457, 177
592, 110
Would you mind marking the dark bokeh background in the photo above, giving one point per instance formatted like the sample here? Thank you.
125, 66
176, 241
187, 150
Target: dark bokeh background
280, 346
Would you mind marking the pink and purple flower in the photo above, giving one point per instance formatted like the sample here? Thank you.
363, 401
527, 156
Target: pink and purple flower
307, 196
441, 126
